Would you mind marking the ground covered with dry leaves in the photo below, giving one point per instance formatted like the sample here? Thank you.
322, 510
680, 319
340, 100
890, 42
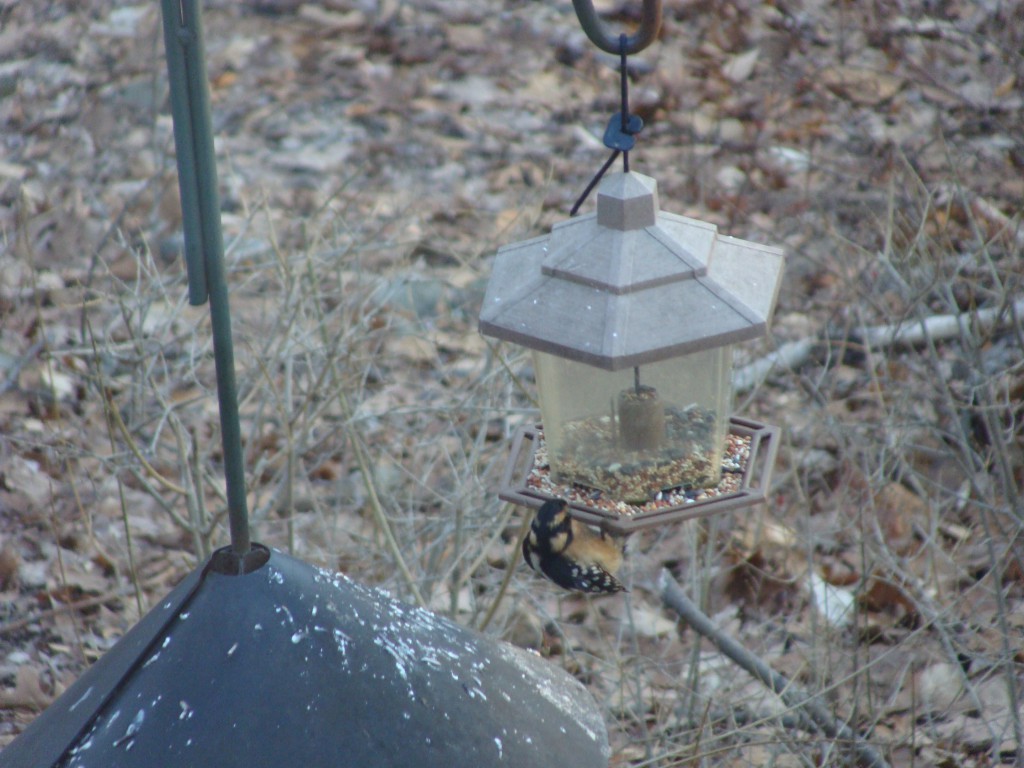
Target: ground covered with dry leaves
372, 157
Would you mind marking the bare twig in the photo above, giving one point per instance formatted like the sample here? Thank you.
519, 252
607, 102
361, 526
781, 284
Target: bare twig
114, 414
813, 716
377, 509
512, 563
14, 371
79, 605
201, 529
495, 535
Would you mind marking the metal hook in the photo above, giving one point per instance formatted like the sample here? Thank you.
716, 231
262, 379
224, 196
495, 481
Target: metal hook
597, 31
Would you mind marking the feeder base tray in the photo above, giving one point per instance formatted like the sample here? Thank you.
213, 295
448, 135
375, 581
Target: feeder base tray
746, 473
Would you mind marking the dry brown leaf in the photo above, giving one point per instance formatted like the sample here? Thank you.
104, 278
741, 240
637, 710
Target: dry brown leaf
26, 478
885, 595
415, 349
27, 692
752, 579
651, 623
741, 66
938, 686
868, 87
897, 509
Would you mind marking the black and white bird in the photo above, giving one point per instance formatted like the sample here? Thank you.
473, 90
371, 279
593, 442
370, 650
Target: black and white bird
570, 554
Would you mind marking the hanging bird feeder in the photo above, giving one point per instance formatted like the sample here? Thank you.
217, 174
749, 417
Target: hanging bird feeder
632, 313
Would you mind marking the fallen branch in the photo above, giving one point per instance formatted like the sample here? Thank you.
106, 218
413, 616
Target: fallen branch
787, 357
939, 327
812, 715
907, 333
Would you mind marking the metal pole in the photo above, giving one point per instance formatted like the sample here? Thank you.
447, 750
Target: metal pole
204, 242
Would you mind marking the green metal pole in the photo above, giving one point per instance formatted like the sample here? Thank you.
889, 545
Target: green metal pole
204, 242
188, 185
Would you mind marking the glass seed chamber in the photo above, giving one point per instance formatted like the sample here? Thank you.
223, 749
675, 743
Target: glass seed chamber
604, 431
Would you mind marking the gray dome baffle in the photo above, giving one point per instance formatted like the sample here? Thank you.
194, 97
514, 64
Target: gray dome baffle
293, 665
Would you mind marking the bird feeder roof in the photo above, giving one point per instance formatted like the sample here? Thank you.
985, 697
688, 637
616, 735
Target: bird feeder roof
630, 284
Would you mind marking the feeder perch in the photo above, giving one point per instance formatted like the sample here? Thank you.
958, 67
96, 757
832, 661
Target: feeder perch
631, 314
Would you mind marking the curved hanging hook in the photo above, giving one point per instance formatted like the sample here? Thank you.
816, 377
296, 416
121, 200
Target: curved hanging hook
597, 31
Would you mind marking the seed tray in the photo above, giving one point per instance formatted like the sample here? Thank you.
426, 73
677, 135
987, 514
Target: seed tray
747, 465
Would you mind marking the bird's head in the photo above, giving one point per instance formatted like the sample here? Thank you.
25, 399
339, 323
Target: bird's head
551, 529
